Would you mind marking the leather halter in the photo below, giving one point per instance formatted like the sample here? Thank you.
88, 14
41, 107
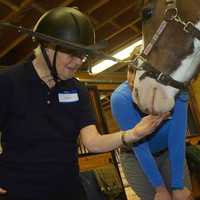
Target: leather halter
141, 63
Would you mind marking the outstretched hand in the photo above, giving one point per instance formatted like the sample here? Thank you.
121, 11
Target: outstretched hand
148, 124
182, 194
162, 194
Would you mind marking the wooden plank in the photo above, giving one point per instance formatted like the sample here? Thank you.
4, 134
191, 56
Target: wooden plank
194, 90
107, 87
115, 16
91, 162
10, 5
97, 5
14, 14
193, 139
125, 27
12, 45
115, 77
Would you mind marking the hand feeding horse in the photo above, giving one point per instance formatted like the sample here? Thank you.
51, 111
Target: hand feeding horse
171, 53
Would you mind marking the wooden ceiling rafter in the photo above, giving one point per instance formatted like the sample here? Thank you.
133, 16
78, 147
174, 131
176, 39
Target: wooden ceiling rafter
12, 45
23, 37
135, 28
123, 44
115, 68
10, 17
66, 2
38, 8
115, 16
96, 6
123, 28
115, 24
42, 10
10, 5
13, 14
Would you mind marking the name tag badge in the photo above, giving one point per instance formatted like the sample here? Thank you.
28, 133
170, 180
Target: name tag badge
68, 97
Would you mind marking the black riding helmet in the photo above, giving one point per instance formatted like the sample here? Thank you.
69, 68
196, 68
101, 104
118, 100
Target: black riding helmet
67, 24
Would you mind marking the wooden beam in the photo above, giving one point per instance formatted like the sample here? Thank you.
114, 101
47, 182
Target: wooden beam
42, 10
10, 5
115, 16
106, 87
104, 77
97, 5
23, 37
115, 24
12, 45
194, 139
119, 66
136, 29
66, 2
106, 82
38, 8
121, 45
13, 15
92, 162
123, 28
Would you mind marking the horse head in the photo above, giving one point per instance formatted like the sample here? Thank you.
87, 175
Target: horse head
171, 53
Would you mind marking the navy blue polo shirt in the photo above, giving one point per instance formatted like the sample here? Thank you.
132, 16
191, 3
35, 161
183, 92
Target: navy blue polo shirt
39, 129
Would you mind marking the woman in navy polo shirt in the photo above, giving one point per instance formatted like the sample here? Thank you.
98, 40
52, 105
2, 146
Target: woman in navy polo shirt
43, 109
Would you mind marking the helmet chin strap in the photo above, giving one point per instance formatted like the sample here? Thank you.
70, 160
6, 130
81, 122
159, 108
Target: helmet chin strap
52, 67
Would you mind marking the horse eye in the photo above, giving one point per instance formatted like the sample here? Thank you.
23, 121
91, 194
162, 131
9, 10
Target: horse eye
147, 13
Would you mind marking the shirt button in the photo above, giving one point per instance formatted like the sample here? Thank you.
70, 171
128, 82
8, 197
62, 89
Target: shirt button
48, 102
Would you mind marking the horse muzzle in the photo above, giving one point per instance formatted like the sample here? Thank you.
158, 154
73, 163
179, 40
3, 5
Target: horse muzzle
152, 97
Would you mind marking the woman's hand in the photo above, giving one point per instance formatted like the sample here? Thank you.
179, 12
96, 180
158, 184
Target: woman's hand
182, 194
148, 124
162, 194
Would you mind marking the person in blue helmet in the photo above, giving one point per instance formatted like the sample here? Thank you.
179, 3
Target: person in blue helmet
155, 166
43, 110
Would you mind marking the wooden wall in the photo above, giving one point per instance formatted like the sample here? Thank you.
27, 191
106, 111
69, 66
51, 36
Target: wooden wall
195, 101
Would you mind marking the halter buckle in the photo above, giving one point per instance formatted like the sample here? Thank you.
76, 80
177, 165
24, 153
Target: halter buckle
186, 26
161, 77
138, 62
171, 12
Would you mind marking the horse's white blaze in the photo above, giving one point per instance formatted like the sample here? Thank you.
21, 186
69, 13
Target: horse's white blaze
164, 99
188, 66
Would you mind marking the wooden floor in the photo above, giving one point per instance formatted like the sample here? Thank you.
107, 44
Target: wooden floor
129, 191
130, 194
